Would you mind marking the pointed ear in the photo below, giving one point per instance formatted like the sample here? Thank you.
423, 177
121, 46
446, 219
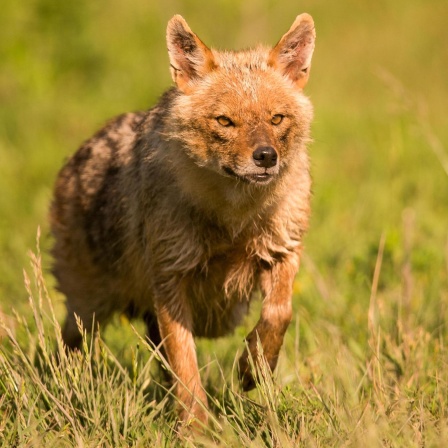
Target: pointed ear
292, 55
189, 57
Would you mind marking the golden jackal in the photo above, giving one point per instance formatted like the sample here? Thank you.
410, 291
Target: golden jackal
180, 213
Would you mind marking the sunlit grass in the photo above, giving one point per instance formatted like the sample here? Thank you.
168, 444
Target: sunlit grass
330, 389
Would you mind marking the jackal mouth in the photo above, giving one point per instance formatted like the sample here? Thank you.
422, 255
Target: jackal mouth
252, 178
262, 178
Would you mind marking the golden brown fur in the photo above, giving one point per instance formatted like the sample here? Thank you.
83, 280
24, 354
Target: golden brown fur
180, 213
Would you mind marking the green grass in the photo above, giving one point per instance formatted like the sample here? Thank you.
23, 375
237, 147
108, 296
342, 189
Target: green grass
364, 362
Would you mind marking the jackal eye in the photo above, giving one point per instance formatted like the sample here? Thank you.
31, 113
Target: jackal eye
277, 119
224, 121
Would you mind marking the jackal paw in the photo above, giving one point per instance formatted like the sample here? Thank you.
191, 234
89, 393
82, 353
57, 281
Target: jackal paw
245, 372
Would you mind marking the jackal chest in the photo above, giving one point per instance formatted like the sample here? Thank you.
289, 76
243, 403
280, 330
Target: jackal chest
220, 291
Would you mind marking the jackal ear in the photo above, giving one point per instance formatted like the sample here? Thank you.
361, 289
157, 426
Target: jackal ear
189, 57
292, 55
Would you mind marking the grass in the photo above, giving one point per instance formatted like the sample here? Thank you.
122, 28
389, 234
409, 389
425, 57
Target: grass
331, 389
365, 361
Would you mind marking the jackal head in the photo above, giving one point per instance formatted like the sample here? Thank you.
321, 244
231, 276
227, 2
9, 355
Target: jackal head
241, 114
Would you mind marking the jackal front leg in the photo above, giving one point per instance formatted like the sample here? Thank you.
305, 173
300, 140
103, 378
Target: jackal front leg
175, 324
276, 313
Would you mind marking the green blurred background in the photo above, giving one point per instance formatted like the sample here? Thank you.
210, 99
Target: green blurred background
379, 87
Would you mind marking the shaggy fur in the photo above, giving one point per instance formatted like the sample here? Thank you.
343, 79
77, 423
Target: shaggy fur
179, 214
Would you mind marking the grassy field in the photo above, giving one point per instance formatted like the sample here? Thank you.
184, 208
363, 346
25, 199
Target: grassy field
365, 361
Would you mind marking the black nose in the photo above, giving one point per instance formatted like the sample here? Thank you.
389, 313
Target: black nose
265, 156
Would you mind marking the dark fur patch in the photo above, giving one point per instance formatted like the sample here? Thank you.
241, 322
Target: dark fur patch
102, 224
219, 138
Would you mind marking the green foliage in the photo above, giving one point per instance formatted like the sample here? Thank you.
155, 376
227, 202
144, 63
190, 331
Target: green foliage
364, 362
